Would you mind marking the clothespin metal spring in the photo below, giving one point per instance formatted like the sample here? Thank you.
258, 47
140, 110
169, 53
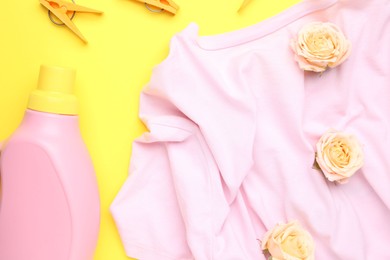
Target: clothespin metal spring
60, 23
157, 6
152, 9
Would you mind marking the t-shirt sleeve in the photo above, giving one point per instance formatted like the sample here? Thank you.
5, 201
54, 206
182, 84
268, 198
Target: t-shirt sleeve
166, 207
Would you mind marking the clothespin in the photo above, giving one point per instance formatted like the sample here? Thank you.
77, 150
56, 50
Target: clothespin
167, 5
245, 3
62, 9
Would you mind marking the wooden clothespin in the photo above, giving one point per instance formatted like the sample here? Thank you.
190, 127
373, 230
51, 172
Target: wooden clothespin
245, 3
167, 5
62, 10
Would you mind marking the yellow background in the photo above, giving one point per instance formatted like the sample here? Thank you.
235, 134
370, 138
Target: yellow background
124, 45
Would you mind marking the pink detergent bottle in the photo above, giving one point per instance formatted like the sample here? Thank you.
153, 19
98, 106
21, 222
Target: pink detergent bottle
49, 201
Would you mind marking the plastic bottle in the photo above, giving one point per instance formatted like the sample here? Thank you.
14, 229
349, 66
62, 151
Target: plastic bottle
49, 208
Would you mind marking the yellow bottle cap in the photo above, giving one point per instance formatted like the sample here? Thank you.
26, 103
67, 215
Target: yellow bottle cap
54, 92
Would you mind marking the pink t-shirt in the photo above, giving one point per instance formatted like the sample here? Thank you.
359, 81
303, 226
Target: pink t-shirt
233, 125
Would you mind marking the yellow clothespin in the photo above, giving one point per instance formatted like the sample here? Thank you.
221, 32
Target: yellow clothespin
245, 3
62, 10
167, 5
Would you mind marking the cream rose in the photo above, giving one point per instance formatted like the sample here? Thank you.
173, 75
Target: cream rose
339, 155
289, 242
319, 46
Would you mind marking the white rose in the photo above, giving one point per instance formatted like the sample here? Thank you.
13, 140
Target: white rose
319, 46
339, 155
289, 242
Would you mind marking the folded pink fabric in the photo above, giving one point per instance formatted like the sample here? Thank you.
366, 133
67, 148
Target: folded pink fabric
233, 125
